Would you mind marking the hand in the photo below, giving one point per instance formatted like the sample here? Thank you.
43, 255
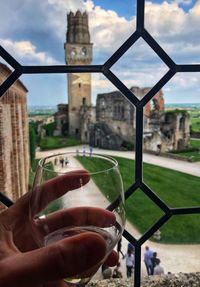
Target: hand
23, 264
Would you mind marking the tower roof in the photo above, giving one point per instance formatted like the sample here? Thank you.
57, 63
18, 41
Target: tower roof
77, 28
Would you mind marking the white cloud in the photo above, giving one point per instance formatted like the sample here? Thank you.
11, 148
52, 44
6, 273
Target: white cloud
185, 2
25, 51
172, 27
185, 80
105, 25
175, 29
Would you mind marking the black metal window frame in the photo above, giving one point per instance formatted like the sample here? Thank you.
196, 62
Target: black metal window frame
174, 68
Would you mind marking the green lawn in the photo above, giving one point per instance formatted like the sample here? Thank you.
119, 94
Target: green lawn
195, 143
193, 155
193, 152
57, 142
195, 124
195, 120
175, 188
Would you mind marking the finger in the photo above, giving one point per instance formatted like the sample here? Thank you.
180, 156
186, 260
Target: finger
65, 258
79, 216
56, 187
50, 190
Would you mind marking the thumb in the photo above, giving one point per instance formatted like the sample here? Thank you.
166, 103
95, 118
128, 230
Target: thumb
66, 258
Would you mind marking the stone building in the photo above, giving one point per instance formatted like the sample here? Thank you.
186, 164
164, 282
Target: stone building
115, 123
61, 119
77, 115
111, 124
78, 51
14, 141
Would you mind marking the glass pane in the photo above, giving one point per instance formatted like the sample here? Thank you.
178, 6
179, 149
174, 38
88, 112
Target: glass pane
140, 68
175, 26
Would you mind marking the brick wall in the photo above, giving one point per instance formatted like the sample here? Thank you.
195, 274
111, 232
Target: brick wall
14, 155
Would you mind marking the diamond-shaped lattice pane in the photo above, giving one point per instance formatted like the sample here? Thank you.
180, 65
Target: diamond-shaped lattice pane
140, 68
114, 122
175, 188
142, 212
172, 128
181, 229
107, 26
178, 238
182, 42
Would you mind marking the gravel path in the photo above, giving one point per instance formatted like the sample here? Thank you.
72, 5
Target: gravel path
174, 258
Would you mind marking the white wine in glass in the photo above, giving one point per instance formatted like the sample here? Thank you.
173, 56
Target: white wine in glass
74, 194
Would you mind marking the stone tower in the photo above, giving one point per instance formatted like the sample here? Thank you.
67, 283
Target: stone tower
78, 51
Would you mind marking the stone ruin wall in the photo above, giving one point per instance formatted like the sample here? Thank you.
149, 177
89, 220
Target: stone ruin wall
166, 130
171, 131
118, 122
14, 141
125, 125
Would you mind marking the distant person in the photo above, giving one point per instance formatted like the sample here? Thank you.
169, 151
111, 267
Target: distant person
91, 150
148, 255
84, 151
117, 272
37, 148
62, 162
119, 248
66, 161
55, 161
154, 259
130, 263
131, 248
158, 270
158, 150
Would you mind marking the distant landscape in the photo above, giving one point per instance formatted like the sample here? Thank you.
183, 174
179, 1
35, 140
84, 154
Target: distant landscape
192, 153
41, 110
192, 108
52, 109
183, 106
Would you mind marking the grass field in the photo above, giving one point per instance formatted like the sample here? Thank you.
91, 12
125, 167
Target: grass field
193, 152
58, 142
193, 155
175, 188
195, 143
195, 120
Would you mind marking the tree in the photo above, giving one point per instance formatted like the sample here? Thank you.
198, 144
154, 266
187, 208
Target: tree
32, 144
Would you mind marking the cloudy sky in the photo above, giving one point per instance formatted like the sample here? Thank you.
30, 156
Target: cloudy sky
33, 31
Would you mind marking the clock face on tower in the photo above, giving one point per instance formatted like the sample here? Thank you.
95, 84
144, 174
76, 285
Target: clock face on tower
84, 52
73, 52
76, 53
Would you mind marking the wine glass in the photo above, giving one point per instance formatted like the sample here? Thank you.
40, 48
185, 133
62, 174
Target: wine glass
86, 181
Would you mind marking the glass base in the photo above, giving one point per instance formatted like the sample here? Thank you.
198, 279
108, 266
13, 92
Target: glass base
77, 282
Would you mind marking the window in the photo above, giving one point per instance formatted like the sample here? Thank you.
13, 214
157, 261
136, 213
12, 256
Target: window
139, 104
